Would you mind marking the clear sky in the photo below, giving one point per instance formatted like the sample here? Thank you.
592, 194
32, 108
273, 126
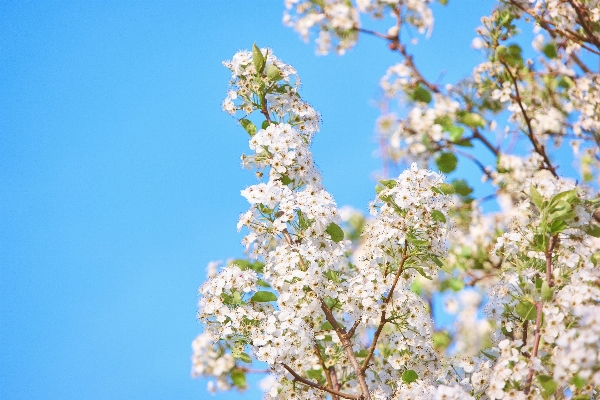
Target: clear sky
120, 175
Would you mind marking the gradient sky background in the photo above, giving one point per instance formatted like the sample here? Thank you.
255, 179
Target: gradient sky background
120, 176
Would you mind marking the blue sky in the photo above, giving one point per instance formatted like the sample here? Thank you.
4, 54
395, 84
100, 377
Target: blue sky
120, 176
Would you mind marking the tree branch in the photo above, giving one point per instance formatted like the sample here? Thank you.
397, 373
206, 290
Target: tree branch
383, 319
298, 378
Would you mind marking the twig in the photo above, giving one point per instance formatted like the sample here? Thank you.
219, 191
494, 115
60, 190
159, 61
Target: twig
536, 344
537, 147
319, 386
383, 319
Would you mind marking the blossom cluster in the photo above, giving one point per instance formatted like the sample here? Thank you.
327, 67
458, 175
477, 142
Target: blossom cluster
338, 304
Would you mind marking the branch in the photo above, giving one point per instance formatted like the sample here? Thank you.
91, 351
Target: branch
537, 147
341, 333
383, 319
536, 344
583, 22
325, 370
298, 378
254, 371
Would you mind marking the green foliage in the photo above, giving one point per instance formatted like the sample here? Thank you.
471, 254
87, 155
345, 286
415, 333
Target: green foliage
336, 233
262, 296
248, 126
238, 377
409, 376
446, 162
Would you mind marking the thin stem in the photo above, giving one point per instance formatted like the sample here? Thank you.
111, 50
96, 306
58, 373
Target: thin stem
325, 370
485, 141
298, 378
536, 344
334, 379
347, 344
254, 371
548, 253
583, 21
341, 333
383, 319
536, 145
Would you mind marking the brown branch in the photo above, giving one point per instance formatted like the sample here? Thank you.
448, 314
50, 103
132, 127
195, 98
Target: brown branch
383, 319
396, 45
482, 167
341, 333
254, 371
347, 344
536, 145
583, 22
334, 379
525, 328
487, 143
300, 379
536, 344
353, 329
325, 370
547, 25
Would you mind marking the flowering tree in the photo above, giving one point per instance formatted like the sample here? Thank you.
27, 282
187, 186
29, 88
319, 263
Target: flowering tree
333, 304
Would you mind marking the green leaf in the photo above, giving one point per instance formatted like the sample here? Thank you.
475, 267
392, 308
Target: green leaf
285, 180
421, 271
241, 263
453, 283
258, 59
441, 340
262, 296
536, 197
557, 226
332, 276
336, 233
489, 355
242, 356
421, 94
547, 383
257, 266
438, 216
437, 261
566, 82
549, 50
362, 353
238, 378
456, 132
461, 187
388, 183
578, 381
444, 188
473, 120
526, 310
315, 374
409, 376
417, 242
443, 2
262, 283
547, 291
593, 230
558, 200
464, 143
248, 126
273, 73
265, 124
327, 326
446, 162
